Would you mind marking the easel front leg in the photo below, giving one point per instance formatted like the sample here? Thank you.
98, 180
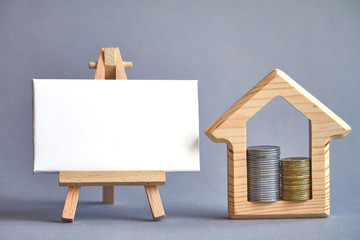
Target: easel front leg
108, 194
70, 205
155, 203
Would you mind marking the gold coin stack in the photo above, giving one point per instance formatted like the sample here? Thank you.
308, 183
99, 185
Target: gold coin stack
296, 179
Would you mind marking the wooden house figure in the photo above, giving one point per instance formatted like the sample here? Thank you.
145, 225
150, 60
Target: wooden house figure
230, 128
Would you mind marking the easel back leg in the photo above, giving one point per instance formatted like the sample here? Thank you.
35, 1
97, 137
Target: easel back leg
108, 194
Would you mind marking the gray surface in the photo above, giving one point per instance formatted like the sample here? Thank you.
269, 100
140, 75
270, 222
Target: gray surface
229, 46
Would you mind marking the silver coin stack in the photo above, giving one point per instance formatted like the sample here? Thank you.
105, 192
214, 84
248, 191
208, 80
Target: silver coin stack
263, 170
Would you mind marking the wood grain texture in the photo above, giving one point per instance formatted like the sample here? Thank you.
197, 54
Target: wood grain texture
110, 63
111, 178
110, 56
70, 205
108, 194
153, 195
231, 129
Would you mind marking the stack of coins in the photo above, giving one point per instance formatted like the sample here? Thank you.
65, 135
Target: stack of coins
296, 180
263, 166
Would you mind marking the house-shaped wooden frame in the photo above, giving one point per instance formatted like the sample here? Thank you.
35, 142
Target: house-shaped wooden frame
230, 128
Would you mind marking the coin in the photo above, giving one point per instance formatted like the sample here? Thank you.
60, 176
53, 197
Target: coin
263, 168
296, 179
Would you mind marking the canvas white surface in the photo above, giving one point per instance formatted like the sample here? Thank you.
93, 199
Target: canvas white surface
95, 125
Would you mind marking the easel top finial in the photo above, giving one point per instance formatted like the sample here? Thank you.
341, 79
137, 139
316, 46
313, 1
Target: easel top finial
110, 65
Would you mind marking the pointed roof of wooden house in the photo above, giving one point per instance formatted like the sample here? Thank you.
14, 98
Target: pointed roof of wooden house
278, 83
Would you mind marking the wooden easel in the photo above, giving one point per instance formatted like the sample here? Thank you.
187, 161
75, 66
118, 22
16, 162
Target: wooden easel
111, 66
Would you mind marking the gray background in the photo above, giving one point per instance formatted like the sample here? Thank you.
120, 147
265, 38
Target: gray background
228, 46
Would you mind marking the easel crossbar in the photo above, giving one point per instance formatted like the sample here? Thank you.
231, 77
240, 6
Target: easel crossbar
111, 178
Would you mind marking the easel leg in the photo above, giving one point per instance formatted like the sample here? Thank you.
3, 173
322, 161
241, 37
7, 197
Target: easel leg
70, 205
156, 206
108, 194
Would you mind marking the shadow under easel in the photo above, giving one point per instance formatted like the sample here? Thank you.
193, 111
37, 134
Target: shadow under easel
50, 211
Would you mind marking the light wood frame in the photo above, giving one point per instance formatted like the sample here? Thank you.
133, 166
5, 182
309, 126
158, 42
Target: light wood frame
111, 66
230, 128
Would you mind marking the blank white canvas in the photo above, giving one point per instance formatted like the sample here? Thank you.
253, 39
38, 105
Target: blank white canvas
113, 125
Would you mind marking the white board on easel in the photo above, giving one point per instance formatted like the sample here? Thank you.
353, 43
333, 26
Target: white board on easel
89, 125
